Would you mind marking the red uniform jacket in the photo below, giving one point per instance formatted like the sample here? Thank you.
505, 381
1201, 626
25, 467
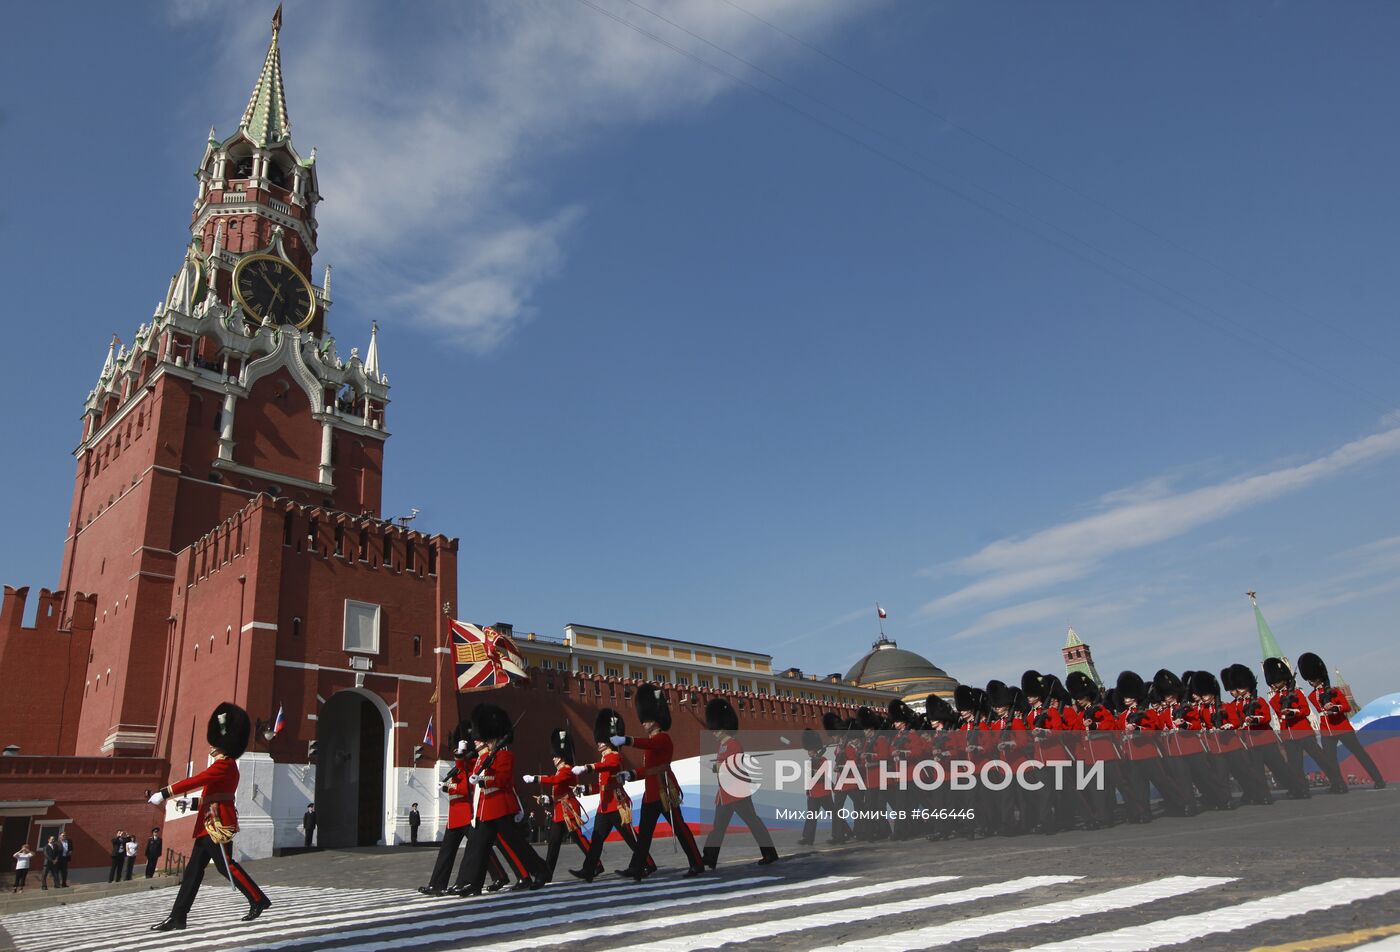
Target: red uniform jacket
1256, 719
1223, 721
498, 797
876, 753
1070, 723
730, 752
820, 785
1333, 723
609, 787
561, 792
1101, 727
220, 783
1186, 737
846, 777
459, 795
657, 752
1294, 724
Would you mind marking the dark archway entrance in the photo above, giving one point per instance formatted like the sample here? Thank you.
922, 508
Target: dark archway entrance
350, 735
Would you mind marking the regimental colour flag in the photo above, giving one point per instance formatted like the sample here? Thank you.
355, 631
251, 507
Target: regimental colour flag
430, 735
484, 658
279, 722
880, 611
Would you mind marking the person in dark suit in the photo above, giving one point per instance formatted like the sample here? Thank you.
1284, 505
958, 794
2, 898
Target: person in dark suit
65, 846
51, 854
118, 856
154, 847
414, 820
308, 823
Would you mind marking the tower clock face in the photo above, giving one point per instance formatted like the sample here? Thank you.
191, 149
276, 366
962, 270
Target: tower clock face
269, 287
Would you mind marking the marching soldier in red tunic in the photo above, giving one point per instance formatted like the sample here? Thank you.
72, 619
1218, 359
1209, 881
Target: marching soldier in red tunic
217, 822
459, 821
1256, 719
1224, 727
662, 795
1291, 707
614, 810
819, 779
845, 787
567, 812
733, 796
1100, 725
496, 806
1186, 740
1333, 724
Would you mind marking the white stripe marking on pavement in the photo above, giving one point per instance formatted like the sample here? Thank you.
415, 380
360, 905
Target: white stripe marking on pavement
1339, 892
688, 919
1114, 899
766, 930
414, 914
568, 917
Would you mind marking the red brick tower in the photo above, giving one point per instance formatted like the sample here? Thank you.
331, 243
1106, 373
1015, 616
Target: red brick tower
232, 390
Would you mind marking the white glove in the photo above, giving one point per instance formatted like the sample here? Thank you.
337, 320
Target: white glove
474, 779
580, 771
528, 778
618, 740
157, 798
624, 775
461, 748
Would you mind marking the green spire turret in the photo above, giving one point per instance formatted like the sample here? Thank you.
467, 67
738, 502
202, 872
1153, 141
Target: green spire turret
265, 117
1268, 644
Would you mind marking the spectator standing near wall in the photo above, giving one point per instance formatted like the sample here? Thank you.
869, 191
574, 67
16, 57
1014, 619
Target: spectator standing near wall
22, 859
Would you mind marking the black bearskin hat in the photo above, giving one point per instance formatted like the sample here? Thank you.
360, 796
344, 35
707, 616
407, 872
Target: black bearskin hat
1081, 686
1131, 687
1239, 676
1167, 683
869, 720
606, 725
1053, 689
999, 695
940, 711
490, 722
1276, 671
899, 711
652, 706
1203, 684
811, 740
1032, 685
721, 716
1310, 666
562, 745
833, 723
229, 730
965, 698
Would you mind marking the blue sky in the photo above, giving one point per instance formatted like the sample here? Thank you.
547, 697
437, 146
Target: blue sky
1007, 315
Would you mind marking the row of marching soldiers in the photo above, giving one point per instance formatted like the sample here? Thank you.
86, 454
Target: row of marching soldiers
1188, 736
485, 810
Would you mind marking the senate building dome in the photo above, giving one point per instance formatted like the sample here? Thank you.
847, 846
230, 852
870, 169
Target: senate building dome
912, 676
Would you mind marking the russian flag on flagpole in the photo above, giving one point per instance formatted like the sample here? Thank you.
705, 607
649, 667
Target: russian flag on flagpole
429, 735
880, 611
278, 722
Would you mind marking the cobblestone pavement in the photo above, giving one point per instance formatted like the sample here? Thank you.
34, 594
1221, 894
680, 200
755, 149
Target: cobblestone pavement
1322, 874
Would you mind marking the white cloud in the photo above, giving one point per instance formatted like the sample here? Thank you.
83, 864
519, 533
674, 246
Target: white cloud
1076, 548
1054, 607
435, 124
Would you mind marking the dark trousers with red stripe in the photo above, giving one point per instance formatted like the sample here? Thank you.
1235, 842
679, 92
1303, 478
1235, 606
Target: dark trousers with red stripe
557, 831
204, 851
506, 833
1351, 742
603, 825
447, 855
651, 812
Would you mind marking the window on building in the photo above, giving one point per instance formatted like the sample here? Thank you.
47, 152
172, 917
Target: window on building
546, 664
704, 682
364, 545
296, 627
613, 673
432, 560
339, 540
585, 669
682, 680
417, 646
361, 627
409, 558
726, 686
